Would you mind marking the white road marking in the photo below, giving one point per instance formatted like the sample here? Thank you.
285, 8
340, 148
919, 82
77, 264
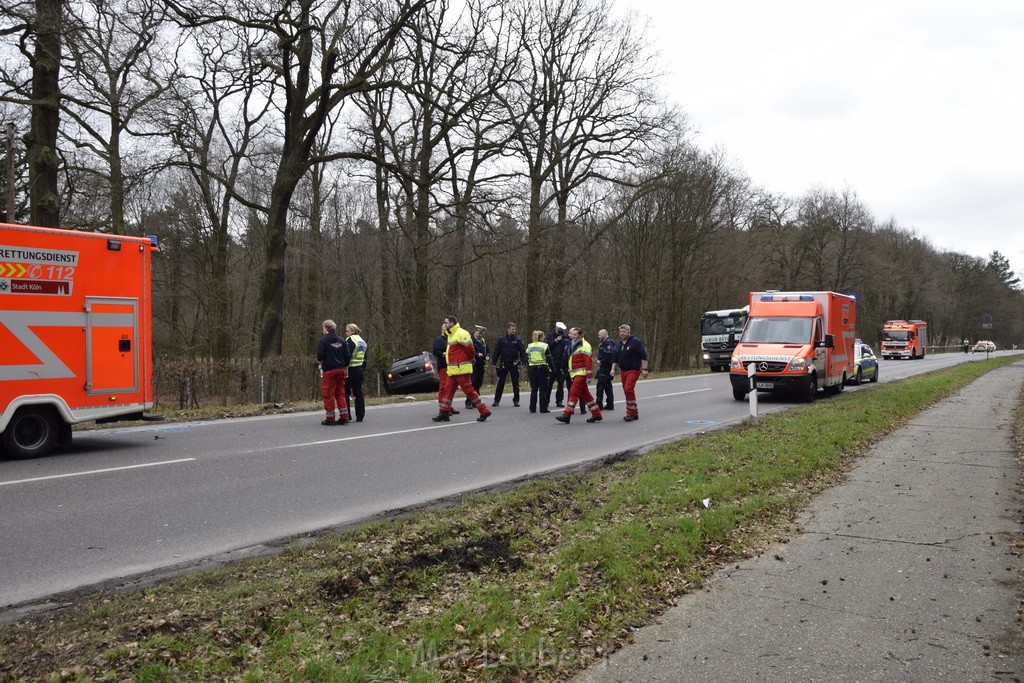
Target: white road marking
82, 474
680, 393
356, 438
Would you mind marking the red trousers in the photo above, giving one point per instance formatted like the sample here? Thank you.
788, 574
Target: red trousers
332, 390
464, 382
629, 378
442, 375
579, 390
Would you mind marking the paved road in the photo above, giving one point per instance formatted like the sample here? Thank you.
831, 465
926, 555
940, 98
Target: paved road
132, 500
910, 571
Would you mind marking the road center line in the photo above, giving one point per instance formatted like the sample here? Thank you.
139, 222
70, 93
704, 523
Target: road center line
82, 474
680, 393
356, 438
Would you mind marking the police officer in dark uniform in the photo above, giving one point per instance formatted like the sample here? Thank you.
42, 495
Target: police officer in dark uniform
482, 354
605, 359
558, 341
509, 352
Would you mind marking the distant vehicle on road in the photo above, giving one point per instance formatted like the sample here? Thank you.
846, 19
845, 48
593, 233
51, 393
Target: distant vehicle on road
984, 346
867, 364
719, 332
413, 374
904, 339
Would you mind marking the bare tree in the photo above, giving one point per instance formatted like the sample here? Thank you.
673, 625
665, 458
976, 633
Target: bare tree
583, 104
121, 62
325, 52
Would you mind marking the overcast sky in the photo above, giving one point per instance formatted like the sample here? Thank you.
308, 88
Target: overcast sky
915, 105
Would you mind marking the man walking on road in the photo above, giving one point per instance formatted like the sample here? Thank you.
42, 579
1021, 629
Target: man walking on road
459, 358
605, 360
631, 361
332, 354
482, 355
509, 352
580, 366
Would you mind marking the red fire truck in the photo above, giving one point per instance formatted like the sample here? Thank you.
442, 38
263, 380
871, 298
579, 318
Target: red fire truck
904, 339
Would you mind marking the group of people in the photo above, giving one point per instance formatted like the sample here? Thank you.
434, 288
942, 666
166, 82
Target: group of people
562, 356
342, 367
553, 360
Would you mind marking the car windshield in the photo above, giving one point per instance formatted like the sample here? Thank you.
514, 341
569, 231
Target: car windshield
895, 335
778, 331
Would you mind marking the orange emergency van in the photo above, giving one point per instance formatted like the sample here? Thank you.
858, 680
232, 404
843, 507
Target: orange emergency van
799, 342
75, 333
904, 339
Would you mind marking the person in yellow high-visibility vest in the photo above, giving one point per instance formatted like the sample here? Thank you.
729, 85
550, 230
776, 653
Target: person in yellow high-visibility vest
356, 367
539, 366
459, 356
581, 367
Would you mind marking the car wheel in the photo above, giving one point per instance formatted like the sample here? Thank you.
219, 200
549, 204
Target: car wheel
858, 377
739, 394
874, 378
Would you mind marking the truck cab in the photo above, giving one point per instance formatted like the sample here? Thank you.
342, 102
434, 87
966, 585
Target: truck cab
719, 332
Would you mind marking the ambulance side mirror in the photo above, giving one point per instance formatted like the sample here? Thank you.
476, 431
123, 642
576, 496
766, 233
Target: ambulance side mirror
829, 343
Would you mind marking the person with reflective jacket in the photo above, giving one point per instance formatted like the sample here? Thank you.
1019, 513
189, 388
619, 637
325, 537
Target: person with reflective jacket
580, 368
539, 364
459, 359
356, 368
631, 361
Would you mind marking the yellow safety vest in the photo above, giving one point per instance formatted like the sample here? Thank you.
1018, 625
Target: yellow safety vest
537, 353
359, 352
584, 349
459, 359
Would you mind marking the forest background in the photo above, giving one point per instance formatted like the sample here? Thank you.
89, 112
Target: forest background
387, 162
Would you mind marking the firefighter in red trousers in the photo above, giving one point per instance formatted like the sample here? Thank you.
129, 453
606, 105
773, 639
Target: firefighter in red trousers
581, 367
631, 361
460, 356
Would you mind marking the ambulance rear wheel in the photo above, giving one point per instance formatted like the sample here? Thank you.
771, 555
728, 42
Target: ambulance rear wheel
31, 433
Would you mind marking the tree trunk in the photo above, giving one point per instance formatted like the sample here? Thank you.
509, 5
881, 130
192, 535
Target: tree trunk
43, 161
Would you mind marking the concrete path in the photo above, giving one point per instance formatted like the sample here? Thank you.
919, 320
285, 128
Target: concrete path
911, 570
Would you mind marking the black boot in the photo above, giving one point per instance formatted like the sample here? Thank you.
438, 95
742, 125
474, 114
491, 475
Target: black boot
441, 417
563, 418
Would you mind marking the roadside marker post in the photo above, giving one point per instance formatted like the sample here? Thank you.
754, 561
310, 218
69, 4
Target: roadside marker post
752, 395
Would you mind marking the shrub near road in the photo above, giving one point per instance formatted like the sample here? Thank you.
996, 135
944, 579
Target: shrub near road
530, 584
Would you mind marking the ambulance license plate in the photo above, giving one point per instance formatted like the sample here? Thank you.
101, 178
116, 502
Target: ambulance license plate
764, 385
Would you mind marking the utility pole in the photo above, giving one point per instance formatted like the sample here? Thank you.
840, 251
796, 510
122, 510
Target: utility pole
10, 171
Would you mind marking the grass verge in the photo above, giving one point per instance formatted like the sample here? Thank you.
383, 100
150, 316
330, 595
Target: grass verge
534, 584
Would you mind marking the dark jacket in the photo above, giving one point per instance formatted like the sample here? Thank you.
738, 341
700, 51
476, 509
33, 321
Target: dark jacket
630, 353
509, 350
480, 349
440, 347
332, 352
558, 340
606, 353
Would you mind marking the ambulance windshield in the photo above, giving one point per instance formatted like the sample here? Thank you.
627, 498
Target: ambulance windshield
778, 331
